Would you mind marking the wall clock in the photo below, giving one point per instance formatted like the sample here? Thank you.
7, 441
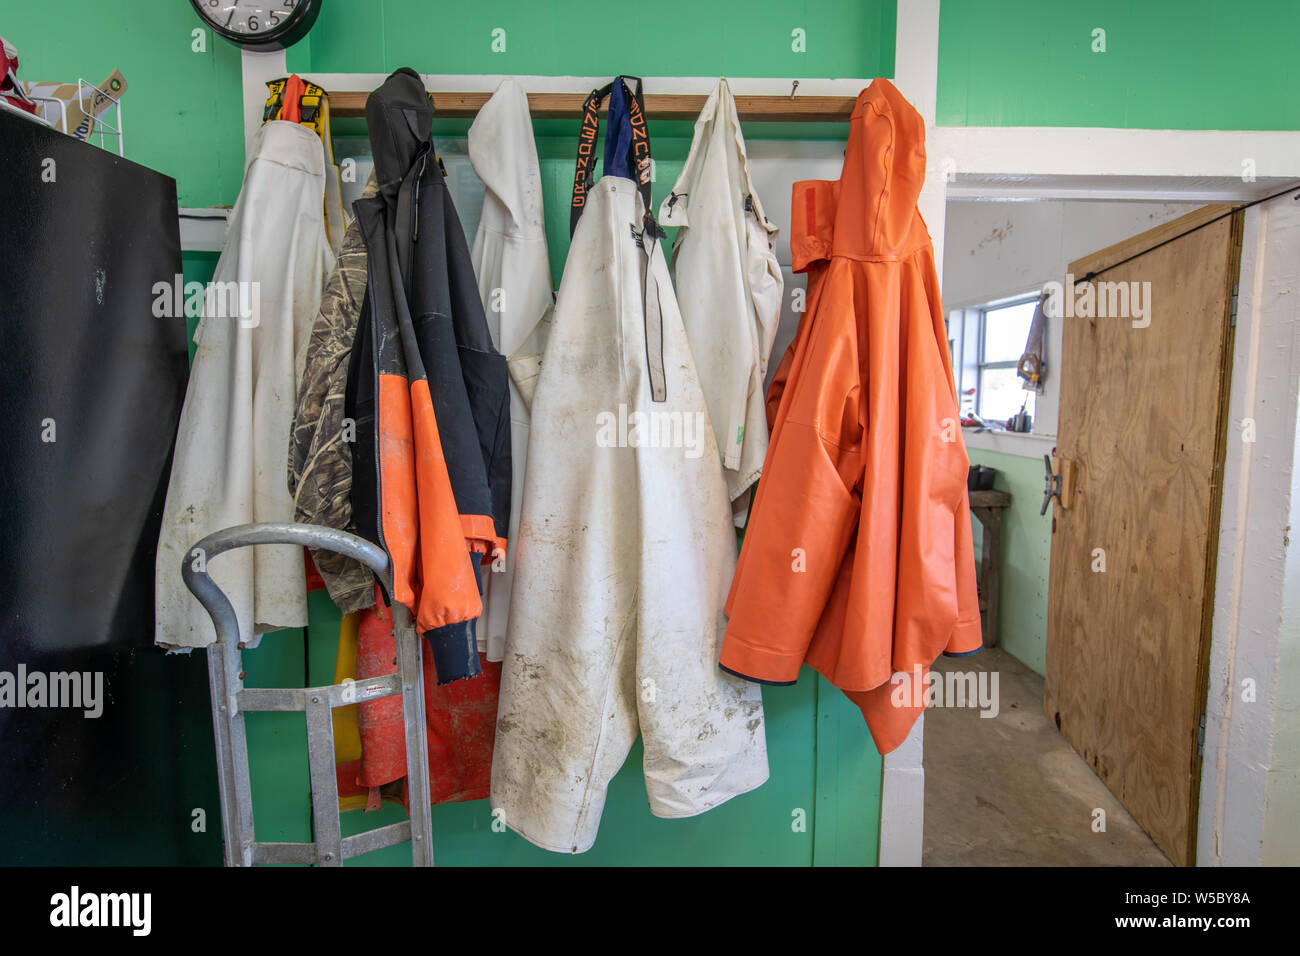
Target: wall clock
259, 24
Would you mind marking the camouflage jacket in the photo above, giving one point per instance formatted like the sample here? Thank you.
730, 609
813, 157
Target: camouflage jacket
320, 452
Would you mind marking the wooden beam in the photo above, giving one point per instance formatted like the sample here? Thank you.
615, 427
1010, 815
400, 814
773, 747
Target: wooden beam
677, 106
989, 499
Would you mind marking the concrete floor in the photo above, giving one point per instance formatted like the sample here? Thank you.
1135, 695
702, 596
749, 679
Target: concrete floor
1009, 790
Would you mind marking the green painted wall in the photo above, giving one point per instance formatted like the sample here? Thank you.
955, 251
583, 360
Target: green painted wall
1192, 64
1169, 64
562, 37
1026, 550
181, 111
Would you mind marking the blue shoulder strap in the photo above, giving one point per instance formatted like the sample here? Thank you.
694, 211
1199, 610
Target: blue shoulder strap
618, 132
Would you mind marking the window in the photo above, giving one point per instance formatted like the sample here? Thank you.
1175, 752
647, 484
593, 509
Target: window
1003, 330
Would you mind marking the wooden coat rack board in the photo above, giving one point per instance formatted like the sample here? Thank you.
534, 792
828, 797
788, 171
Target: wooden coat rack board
675, 106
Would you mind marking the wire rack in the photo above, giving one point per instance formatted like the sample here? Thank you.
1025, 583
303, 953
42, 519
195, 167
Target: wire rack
104, 124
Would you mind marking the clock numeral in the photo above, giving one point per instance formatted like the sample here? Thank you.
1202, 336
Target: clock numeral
266, 18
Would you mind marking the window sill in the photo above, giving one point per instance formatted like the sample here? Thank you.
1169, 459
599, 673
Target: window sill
1026, 445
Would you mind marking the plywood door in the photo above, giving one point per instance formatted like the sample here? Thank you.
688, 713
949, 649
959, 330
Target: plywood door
1142, 422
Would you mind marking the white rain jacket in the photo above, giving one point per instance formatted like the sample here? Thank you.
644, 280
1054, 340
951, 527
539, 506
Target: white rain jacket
625, 554
228, 467
728, 284
514, 279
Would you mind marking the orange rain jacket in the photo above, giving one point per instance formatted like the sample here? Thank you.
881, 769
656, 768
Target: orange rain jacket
858, 557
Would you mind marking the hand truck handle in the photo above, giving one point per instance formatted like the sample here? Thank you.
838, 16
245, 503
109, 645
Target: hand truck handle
214, 600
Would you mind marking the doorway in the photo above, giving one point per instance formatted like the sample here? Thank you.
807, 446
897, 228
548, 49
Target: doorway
1002, 252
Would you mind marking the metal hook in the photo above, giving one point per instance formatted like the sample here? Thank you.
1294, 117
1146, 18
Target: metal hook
1053, 485
794, 86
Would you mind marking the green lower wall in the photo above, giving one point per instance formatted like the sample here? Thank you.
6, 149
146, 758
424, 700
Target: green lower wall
1026, 550
824, 770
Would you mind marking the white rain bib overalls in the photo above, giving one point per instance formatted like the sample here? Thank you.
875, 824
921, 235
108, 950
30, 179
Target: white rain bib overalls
624, 557
233, 439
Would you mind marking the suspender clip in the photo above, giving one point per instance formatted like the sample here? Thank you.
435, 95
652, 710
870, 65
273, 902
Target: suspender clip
656, 231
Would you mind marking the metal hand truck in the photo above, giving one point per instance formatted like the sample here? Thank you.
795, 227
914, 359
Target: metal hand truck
231, 700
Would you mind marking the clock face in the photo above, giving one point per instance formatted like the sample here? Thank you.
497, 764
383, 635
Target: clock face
259, 24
